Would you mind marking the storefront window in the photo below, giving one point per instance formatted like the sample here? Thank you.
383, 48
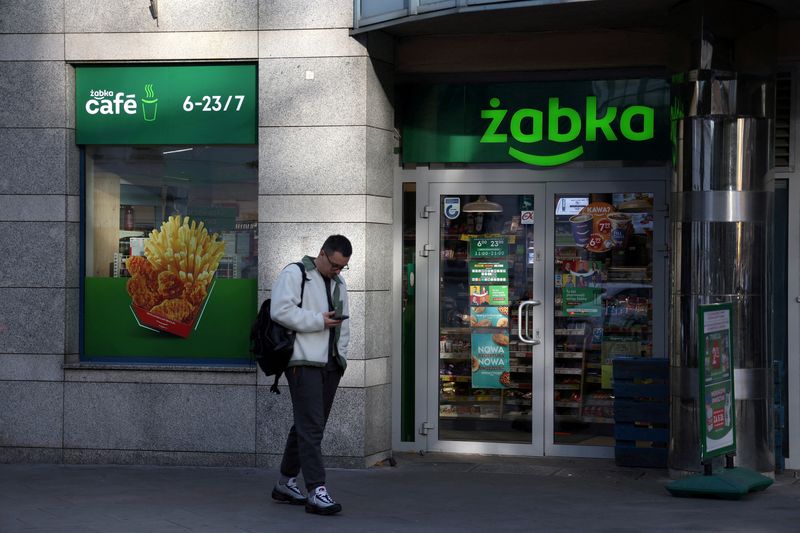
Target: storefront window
171, 253
603, 306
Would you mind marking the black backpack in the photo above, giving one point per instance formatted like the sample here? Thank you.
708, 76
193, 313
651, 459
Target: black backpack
271, 343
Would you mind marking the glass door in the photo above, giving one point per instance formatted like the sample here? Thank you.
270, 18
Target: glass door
606, 301
486, 321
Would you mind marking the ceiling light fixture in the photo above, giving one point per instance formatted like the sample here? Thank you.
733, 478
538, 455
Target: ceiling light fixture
482, 205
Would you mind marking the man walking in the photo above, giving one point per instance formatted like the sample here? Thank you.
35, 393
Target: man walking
318, 362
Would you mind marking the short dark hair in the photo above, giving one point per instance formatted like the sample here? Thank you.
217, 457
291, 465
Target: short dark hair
338, 243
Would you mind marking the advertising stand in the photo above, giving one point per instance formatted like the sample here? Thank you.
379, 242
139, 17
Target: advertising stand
717, 420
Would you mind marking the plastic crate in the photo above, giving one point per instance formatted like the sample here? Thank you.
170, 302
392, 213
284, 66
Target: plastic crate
641, 411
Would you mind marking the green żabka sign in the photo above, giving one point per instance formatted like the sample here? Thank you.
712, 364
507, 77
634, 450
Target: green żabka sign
166, 104
542, 124
715, 362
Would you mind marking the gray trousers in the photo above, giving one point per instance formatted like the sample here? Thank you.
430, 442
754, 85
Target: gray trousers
312, 389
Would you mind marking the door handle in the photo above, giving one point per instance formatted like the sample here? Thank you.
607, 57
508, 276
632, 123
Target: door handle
522, 317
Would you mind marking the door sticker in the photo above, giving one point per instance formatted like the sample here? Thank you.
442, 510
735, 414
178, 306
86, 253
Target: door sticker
452, 207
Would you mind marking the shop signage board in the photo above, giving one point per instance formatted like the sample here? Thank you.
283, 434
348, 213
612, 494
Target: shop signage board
541, 124
166, 104
488, 247
715, 362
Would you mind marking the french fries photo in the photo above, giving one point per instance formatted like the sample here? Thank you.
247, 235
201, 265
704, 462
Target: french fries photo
172, 279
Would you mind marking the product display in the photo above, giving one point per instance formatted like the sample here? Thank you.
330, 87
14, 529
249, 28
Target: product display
602, 309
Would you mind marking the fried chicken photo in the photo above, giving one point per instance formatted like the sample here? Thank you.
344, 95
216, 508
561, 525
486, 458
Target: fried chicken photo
141, 293
169, 285
195, 294
176, 309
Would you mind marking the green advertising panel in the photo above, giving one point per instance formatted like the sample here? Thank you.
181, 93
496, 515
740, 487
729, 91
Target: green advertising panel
488, 271
488, 247
488, 295
166, 104
582, 301
490, 364
221, 333
542, 124
717, 400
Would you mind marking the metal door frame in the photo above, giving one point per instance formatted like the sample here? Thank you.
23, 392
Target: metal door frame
793, 321
589, 176
435, 191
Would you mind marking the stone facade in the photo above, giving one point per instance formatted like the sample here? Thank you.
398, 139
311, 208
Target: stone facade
325, 166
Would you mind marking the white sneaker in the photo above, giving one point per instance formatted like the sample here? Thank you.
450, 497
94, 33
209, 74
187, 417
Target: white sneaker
320, 502
288, 492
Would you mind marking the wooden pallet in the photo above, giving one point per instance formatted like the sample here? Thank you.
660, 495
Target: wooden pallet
641, 411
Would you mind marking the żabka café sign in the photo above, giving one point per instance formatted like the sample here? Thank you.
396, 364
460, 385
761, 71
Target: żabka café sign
539, 124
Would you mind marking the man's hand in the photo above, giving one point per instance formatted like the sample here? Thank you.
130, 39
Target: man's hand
329, 321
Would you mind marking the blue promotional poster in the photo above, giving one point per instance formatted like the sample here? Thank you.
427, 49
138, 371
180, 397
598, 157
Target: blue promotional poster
488, 317
490, 365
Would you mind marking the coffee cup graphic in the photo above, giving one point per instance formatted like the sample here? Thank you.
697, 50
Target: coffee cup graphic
581, 228
149, 103
619, 227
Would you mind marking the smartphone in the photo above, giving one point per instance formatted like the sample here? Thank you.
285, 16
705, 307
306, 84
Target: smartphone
341, 317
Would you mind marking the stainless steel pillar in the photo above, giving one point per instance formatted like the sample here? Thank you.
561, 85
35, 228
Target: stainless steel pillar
722, 193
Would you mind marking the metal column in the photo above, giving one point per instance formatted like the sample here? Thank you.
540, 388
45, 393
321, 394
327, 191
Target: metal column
721, 212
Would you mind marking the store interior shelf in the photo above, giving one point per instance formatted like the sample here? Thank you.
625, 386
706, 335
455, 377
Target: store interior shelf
517, 401
467, 399
571, 332
602, 403
598, 420
464, 379
454, 355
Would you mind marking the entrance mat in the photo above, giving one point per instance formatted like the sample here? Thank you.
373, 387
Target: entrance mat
728, 484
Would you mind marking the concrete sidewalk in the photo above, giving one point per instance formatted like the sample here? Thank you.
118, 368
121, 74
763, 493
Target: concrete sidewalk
432, 493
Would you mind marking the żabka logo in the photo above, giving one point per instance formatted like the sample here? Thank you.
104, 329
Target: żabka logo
108, 102
532, 121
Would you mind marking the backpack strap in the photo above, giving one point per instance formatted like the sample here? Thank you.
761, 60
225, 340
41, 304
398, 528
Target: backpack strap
301, 266
303, 281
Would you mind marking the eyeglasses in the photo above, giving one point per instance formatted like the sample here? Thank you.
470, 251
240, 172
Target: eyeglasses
335, 266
